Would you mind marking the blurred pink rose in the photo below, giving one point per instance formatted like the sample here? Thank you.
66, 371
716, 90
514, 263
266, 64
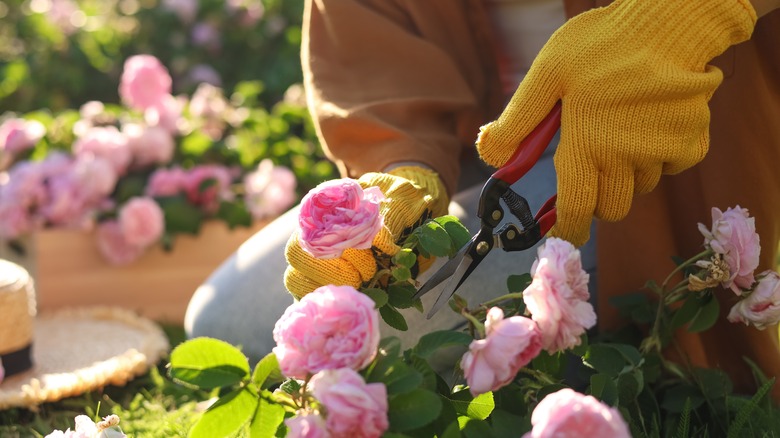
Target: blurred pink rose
149, 144
96, 175
167, 114
142, 221
186, 10
332, 327
113, 245
270, 190
166, 182
567, 413
762, 306
337, 215
17, 135
108, 143
307, 426
354, 409
206, 185
558, 296
145, 82
249, 12
733, 236
509, 345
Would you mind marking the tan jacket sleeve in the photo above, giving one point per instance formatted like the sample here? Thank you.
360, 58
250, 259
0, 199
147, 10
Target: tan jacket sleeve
396, 81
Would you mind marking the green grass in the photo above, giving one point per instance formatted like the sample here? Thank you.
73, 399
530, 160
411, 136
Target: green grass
149, 406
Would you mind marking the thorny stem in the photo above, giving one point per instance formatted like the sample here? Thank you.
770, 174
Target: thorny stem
512, 296
684, 265
474, 322
378, 276
538, 375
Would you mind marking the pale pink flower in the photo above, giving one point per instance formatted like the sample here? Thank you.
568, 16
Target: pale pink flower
142, 221
567, 413
166, 182
149, 144
733, 236
509, 345
167, 114
105, 142
145, 82
307, 426
337, 215
269, 190
557, 298
17, 135
86, 428
331, 327
96, 175
208, 198
113, 245
761, 307
354, 409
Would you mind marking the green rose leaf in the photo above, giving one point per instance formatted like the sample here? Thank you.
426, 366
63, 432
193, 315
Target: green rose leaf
400, 295
605, 359
267, 372
706, 315
401, 378
412, 410
208, 363
518, 283
180, 215
604, 388
435, 240
473, 428
405, 257
393, 317
458, 233
235, 214
268, 417
230, 416
401, 273
378, 295
430, 342
478, 407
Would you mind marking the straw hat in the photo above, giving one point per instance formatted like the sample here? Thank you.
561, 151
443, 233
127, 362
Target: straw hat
68, 352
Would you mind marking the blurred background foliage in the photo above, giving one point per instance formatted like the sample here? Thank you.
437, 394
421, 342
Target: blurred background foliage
56, 55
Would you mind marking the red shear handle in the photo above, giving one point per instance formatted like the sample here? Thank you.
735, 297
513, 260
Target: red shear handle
547, 215
531, 148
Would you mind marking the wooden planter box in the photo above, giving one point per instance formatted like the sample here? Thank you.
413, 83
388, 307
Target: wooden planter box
69, 271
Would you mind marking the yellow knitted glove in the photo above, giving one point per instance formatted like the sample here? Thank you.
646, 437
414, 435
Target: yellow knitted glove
412, 194
634, 82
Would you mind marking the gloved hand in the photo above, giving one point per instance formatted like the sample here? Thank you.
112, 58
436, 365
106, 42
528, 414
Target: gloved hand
412, 193
634, 83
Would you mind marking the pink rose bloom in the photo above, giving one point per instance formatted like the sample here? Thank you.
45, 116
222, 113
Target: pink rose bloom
567, 413
17, 135
167, 114
269, 190
337, 215
208, 199
113, 245
149, 144
145, 82
331, 327
509, 345
558, 296
733, 236
166, 182
142, 221
762, 306
354, 409
307, 426
96, 175
108, 143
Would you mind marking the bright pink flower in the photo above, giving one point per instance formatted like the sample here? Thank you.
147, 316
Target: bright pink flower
142, 221
509, 345
307, 426
354, 409
558, 296
96, 175
733, 236
337, 215
108, 143
567, 413
166, 182
113, 245
269, 190
167, 114
200, 193
145, 82
762, 306
17, 135
332, 327
149, 144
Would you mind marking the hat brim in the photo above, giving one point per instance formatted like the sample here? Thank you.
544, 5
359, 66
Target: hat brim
79, 350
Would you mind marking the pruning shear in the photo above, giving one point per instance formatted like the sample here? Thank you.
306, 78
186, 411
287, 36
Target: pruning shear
510, 237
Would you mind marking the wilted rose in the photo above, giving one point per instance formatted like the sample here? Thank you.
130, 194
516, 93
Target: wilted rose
354, 409
307, 426
509, 345
733, 236
142, 221
332, 327
337, 215
761, 307
567, 413
558, 296
145, 82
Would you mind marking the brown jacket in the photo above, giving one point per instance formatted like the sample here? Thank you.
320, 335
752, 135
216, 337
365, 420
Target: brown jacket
401, 80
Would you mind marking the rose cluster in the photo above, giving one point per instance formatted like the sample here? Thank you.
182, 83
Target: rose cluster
86, 186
